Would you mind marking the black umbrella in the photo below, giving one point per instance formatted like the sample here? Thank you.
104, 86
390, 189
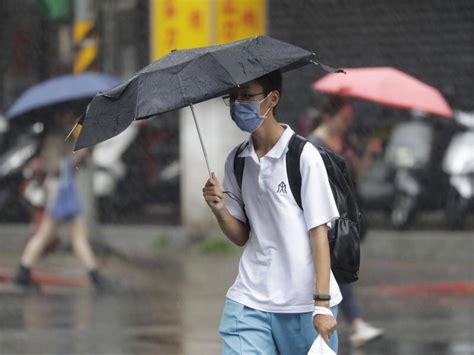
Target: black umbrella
183, 78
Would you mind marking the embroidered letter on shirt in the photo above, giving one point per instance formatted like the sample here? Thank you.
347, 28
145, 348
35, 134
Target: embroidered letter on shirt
281, 188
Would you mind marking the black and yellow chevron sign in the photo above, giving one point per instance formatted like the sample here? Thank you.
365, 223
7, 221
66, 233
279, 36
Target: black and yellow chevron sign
86, 46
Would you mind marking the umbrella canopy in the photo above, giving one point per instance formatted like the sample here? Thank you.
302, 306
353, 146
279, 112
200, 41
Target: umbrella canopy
186, 77
387, 86
59, 90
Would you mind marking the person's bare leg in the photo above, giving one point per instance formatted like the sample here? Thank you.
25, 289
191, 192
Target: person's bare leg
83, 250
39, 241
80, 243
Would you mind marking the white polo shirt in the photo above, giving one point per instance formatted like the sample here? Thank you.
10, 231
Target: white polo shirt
276, 270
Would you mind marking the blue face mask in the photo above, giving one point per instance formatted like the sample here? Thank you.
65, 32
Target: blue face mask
246, 114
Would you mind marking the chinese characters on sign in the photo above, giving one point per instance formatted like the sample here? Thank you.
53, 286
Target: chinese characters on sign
179, 24
239, 19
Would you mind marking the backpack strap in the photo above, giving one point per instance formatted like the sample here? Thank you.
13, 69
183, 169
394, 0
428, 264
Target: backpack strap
239, 164
295, 148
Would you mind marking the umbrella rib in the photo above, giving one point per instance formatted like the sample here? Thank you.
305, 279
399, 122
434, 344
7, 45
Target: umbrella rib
327, 68
223, 67
245, 48
211, 54
185, 65
135, 115
183, 93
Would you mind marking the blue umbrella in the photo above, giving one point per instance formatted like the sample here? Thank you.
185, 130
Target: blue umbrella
58, 90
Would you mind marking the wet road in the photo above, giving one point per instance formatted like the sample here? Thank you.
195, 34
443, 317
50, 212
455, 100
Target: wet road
173, 307
142, 317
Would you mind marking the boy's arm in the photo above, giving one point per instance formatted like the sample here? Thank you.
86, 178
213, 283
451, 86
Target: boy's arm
324, 324
234, 229
321, 259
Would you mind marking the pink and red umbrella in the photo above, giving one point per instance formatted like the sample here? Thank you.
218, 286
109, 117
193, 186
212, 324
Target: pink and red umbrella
387, 86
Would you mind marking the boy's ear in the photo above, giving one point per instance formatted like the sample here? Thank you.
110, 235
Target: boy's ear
275, 98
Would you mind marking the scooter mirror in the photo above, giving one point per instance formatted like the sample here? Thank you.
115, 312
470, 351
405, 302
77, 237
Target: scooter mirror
37, 128
3, 124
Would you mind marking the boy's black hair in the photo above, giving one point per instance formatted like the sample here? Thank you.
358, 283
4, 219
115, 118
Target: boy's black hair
270, 82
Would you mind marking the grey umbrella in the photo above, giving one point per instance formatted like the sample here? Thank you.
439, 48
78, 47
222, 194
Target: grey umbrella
183, 78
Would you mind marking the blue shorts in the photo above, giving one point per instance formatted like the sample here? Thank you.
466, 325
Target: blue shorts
245, 330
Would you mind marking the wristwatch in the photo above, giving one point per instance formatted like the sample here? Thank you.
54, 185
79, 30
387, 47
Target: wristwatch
321, 297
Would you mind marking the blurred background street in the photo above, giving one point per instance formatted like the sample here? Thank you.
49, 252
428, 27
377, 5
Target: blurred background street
409, 141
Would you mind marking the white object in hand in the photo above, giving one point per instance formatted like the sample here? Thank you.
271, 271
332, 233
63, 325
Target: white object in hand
320, 347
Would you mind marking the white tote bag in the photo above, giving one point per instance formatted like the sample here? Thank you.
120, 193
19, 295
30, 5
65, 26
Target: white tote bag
320, 347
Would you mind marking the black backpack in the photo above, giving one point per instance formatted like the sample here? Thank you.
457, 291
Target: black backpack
344, 237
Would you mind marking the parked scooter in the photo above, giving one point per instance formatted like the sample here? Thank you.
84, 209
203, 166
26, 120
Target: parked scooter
409, 178
126, 175
15, 177
3, 133
458, 163
12, 162
413, 153
376, 189
150, 184
408, 153
107, 158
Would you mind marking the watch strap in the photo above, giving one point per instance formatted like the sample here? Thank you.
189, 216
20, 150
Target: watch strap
321, 297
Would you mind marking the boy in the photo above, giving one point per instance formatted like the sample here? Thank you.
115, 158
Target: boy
285, 293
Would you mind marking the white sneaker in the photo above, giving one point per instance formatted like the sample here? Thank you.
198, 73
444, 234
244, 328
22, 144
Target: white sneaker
363, 333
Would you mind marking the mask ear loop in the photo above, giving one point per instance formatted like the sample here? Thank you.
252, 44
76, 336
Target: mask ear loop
266, 113
260, 102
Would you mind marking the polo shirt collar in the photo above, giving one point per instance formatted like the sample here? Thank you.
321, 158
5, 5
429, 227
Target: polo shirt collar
277, 150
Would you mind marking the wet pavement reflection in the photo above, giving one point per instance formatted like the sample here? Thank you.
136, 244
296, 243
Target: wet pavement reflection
82, 324
174, 307
142, 316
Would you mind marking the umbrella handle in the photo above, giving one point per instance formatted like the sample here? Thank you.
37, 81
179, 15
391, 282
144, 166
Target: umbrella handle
200, 139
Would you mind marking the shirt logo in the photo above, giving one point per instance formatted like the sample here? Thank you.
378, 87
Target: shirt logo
281, 188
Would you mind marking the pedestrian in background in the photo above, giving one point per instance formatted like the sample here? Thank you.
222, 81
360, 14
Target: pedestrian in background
332, 123
63, 204
285, 293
